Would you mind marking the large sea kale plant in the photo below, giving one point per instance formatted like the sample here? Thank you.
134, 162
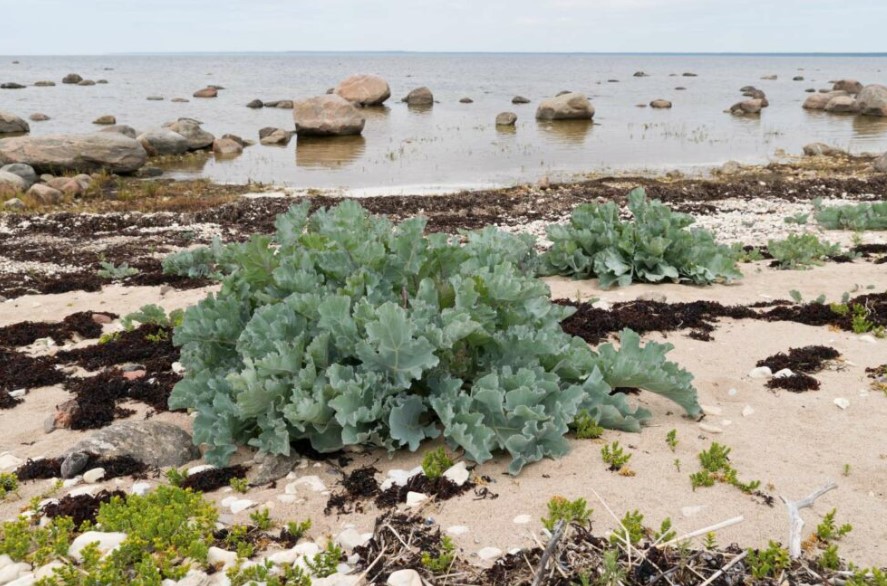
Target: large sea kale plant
342, 328
654, 246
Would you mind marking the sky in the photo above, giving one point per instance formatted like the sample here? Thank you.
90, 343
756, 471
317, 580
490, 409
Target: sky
85, 27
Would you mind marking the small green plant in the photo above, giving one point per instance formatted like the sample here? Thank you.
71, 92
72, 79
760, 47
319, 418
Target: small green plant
109, 337
867, 577
829, 558
298, 529
716, 467
435, 463
827, 530
861, 323
175, 476
262, 519
153, 315
586, 426
839, 309
799, 219
857, 217
631, 529
238, 538
766, 563
562, 509
710, 542
326, 562
443, 560
665, 533
612, 572
615, 456
801, 251
846, 470
115, 273
240, 485
268, 574
677, 464
8, 484
672, 439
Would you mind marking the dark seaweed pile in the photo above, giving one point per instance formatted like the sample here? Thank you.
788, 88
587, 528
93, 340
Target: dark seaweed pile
18, 371
156, 355
114, 466
798, 382
26, 332
80, 508
809, 359
214, 479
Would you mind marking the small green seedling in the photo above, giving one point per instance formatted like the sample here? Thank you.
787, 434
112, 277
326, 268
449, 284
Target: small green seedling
262, 519
175, 476
716, 467
435, 463
297, 530
8, 484
631, 529
827, 530
325, 563
767, 563
672, 439
240, 485
441, 562
615, 456
562, 509
586, 426
710, 542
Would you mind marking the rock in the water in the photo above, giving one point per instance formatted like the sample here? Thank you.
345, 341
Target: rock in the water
640, 74
85, 152
86, 82
155, 98
284, 105
197, 137
277, 136
11, 124
44, 83
121, 129
225, 147
255, 104
11, 86
569, 106
152, 442
819, 101
45, 195
270, 467
106, 542
466, 100
179, 101
880, 163
72, 78
106, 120
872, 100
747, 107
330, 115
236, 139
506, 119
819, 149
842, 105
421, 96
364, 90
207, 92
520, 100
163, 141
851, 86
39, 117
660, 104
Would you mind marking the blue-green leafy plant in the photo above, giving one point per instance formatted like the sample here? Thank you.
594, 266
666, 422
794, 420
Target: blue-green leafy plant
863, 216
654, 246
342, 328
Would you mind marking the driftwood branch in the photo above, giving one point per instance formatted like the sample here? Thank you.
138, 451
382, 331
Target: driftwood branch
796, 523
552, 545
703, 531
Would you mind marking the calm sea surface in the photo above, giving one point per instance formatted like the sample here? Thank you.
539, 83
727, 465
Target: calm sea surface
456, 144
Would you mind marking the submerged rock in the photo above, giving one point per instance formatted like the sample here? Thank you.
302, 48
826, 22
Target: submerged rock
106, 120
207, 92
72, 78
520, 100
818, 149
660, 104
842, 105
163, 141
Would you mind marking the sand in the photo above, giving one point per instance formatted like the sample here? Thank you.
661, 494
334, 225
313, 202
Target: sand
792, 443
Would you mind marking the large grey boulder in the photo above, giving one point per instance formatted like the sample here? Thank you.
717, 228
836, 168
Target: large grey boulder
747, 107
506, 119
364, 90
819, 149
84, 152
152, 442
197, 137
72, 78
421, 96
26, 172
568, 106
121, 129
819, 101
851, 86
10, 183
163, 141
227, 147
842, 105
11, 124
329, 115
872, 100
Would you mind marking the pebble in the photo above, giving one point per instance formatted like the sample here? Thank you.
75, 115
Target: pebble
404, 578
94, 475
399, 477
707, 427
90, 489
287, 499
602, 305
18, 393
107, 542
748, 411
217, 555
72, 482
313, 483
13, 572
414, 499
240, 505
351, 538
134, 374
201, 468
489, 553
868, 338
48, 570
522, 519
457, 474
784, 373
842, 403
761, 372
457, 530
141, 488
711, 410
8, 462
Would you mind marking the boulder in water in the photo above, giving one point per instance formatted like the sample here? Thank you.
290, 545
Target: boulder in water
329, 115
84, 152
364, 90
569, 106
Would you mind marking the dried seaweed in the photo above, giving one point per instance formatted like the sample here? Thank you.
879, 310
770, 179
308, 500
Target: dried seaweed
809, 359
796, 383
18, 371
213, 479
80, 508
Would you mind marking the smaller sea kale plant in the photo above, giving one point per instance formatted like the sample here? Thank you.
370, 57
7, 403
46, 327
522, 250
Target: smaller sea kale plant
343, 328
654, 246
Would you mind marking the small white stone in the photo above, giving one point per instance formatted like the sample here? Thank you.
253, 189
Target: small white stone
178, 368
457, 474
602, 305
287, 557
338, 580
690, 511
307, 548
5, 560
287, 499
107, 542
228, 500
404, 578
14, 571
761, 372
842, 403
312, 483
732, 392
140, 488
521, 519
201, 468
784, 373
710, 428
241, 505
48, 570
457, 530
414, 499
489, 553
868, 339
18, 393
711, 410
748, 411
8, 462
217, 555
94, 475
351, 538
90, 489
399, 477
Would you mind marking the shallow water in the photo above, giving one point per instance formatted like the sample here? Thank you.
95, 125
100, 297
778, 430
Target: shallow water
454, 144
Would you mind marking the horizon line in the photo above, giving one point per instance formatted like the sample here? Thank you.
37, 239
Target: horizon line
409, 52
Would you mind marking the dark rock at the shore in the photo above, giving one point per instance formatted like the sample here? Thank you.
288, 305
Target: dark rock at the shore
106, 120
506, 119
85, 152
690, 74
520, 100
152, 442
12, 124
72, 78
11, 86
207, 92
420, 96
256, 104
